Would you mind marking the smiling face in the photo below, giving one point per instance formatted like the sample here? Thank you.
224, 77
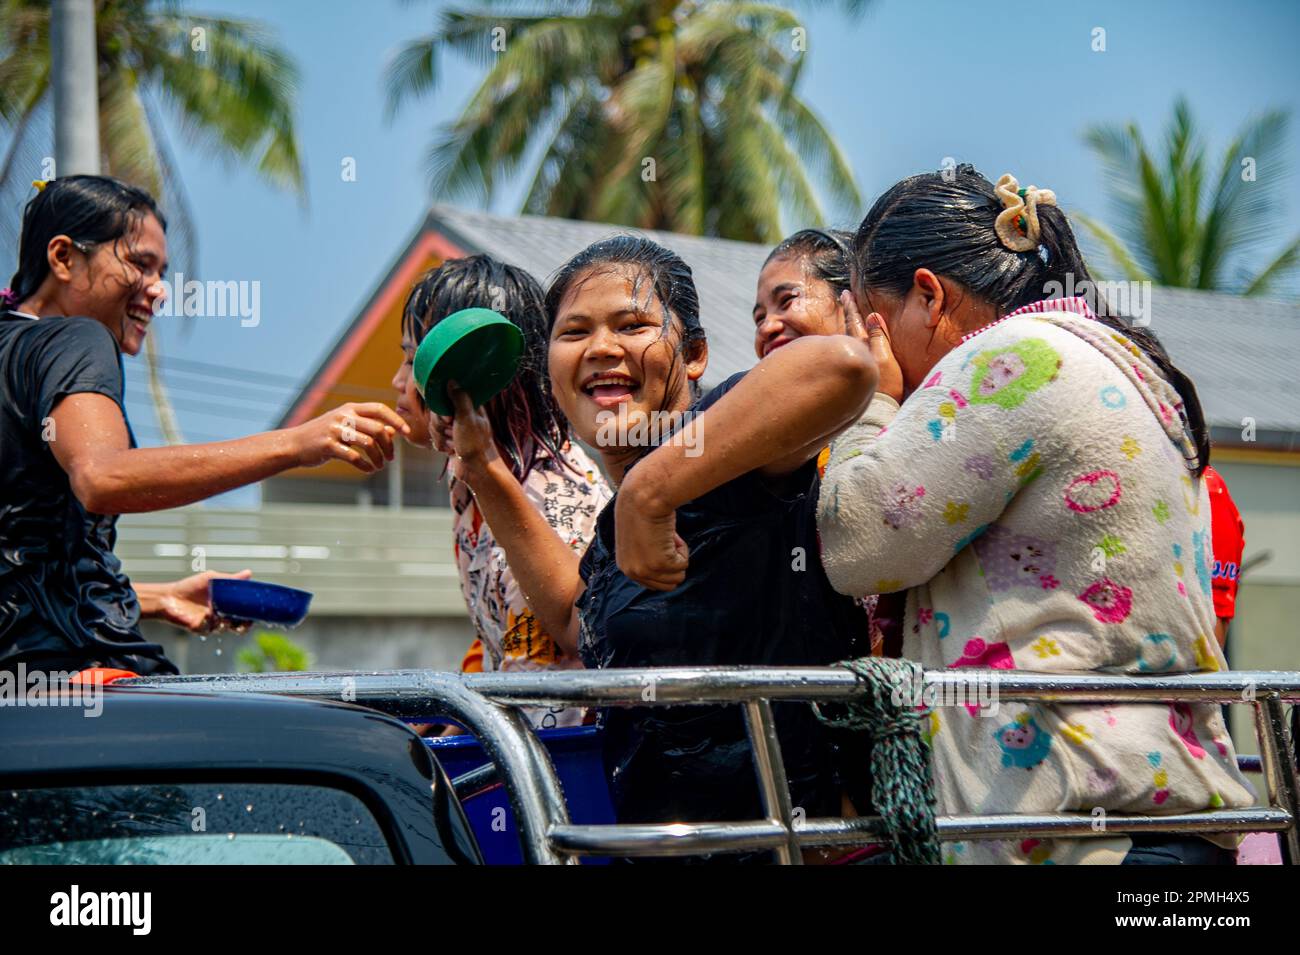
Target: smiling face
408, 398
118, 283
793, 302
609, 350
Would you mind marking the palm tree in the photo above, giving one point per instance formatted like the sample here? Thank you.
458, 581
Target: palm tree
232, 89
1184, 221
665, 114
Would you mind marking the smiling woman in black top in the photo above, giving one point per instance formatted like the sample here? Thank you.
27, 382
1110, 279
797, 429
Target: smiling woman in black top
92, 257
626, 341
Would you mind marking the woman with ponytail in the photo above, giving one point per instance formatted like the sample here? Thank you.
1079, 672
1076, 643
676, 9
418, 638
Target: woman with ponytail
1029, 475
92, 257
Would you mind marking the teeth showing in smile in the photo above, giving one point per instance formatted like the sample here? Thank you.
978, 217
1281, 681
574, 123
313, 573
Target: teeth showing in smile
617, 381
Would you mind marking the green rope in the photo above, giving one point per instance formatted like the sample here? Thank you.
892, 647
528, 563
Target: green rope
901, 787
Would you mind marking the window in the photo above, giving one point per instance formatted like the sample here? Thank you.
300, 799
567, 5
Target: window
189, 823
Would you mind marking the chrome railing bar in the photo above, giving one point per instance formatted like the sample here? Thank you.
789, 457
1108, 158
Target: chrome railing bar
773, 786
715, 685
1279, 768
401, 692
694, 838
683, 839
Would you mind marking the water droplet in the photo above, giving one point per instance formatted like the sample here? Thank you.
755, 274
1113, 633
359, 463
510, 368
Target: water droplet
220, 797
230, 836
249, 807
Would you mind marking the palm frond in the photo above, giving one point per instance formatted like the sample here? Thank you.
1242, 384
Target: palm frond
237, 96
1283, 266
1114, 247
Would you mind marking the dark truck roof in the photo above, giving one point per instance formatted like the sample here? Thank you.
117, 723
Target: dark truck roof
148, 735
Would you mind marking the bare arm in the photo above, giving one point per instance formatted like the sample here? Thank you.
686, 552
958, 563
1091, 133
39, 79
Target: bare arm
544, 566
91, 444
774, 420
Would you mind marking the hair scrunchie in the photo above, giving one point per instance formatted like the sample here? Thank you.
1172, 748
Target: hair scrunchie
1017, 224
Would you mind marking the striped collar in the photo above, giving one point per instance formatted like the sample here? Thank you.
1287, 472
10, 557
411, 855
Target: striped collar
1077, 305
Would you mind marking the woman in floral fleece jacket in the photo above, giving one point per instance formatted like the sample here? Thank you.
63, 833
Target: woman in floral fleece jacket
1038, 496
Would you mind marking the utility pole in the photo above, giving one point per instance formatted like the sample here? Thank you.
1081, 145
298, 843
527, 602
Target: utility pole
75, 66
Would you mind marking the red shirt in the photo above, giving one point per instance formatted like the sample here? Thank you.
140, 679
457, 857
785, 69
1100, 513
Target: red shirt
1228, 538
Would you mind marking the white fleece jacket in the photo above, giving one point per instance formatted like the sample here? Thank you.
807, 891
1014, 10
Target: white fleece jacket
1033, 500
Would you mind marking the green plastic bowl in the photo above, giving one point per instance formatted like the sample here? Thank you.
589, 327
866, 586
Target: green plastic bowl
477, 348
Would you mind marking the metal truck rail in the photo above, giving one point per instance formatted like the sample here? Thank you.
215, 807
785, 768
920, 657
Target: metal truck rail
487, 704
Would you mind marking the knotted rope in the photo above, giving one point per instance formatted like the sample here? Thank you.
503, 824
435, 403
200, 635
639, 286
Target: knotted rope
890, 709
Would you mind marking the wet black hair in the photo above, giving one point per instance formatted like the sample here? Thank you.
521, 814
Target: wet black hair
828, 253
524, 417
944, 221
90, 210
662, 269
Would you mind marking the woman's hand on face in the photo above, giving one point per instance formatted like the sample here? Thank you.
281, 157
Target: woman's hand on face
360, 433
471, 444
875, 333
647, 546
187, 603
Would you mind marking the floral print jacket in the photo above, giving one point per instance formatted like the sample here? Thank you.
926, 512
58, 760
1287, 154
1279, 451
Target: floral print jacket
1033, 500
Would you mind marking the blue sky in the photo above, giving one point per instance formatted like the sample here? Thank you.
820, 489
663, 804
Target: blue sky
1008, 86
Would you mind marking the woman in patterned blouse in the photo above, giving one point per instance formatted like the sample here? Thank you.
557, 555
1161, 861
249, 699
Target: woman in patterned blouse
559, 478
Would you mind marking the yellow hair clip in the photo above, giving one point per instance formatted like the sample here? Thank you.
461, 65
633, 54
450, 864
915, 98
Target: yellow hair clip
40, 184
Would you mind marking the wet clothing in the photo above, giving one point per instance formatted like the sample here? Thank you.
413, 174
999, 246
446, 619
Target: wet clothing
569, 494
754, 594
64, 601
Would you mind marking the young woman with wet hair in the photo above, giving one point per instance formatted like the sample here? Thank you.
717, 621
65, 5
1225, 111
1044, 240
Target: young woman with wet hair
1029, 473
799, 289
626, 340
531, 436
92, 256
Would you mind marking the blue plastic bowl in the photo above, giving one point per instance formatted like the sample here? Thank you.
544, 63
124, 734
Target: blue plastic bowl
260, 602
575, 752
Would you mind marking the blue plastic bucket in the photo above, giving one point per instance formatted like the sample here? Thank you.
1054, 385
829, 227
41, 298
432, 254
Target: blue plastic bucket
575, 752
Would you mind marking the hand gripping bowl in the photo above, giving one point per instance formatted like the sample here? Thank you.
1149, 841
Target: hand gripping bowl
254, 600
477, 348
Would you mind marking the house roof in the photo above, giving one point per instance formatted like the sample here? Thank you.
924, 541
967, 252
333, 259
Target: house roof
1241, 353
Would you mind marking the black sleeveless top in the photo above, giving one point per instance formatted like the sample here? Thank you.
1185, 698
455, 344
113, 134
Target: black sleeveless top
755, 594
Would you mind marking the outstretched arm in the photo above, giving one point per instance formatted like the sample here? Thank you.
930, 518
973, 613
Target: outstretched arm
91, 443
778, 417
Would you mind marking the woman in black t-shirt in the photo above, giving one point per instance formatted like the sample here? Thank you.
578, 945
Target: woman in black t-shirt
626, 352
92, 256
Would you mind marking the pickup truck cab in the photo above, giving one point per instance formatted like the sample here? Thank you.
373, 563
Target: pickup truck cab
170, 777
